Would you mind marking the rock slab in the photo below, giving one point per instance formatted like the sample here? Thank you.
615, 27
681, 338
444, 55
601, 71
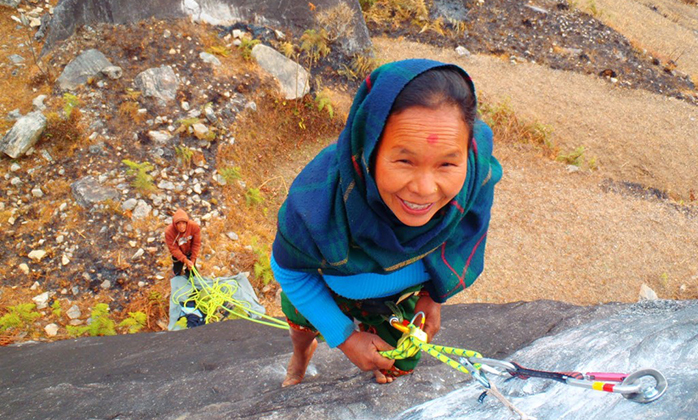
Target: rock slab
233, 369
293, 79
88, 64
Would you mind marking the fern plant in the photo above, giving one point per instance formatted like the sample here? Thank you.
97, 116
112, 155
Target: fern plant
230, 174
101, 323
246, 46
135, 322
19, 316
70, 102
254, 196
142, 181
322, 100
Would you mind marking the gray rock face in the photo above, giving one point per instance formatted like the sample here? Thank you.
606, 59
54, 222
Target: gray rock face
160, 83
293, 15
233, 370
23, 135
88, 64
88, 191
662, 335
293, 79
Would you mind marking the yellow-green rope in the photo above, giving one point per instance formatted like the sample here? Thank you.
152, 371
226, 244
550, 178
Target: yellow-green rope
211, 299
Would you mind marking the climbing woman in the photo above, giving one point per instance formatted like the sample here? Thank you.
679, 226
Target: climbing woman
392, 219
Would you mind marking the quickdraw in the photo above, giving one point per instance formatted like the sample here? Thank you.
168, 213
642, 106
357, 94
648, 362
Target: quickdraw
643, 386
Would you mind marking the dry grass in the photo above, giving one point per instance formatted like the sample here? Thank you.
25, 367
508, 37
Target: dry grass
27, 84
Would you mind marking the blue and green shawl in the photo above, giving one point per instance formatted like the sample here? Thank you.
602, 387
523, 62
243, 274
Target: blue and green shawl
335, 222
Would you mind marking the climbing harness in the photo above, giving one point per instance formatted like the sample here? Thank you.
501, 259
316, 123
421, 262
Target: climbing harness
643, 386
215, 302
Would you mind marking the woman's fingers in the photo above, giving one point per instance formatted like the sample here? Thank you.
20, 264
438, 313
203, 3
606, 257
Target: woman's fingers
362, 349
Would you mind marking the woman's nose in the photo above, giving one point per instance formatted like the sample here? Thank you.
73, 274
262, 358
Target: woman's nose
423, 184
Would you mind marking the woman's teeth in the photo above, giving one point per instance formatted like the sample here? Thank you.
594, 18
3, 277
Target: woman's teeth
415, 206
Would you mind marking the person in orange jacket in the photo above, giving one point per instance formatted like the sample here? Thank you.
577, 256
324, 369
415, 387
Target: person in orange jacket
183, 239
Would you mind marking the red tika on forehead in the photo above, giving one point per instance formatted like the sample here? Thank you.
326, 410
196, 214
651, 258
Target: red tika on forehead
432, 138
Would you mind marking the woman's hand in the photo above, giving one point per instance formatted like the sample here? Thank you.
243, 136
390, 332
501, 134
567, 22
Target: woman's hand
362, 349
432, 312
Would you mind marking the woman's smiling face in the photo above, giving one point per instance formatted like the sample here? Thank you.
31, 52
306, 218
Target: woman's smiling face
422, 161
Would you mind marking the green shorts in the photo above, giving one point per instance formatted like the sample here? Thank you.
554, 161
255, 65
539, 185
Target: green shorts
372, 315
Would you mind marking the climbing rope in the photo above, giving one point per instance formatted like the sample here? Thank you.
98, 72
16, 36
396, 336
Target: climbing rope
217, 302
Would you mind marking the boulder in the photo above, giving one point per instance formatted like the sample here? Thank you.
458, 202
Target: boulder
23, 135
295, 16
88, 64
294, 80
160, 83
233, 369
88, 191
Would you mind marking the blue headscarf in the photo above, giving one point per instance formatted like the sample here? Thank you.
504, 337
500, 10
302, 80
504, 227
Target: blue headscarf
335, 222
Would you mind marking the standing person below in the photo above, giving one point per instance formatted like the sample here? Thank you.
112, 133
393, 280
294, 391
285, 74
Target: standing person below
183, 239
391, 218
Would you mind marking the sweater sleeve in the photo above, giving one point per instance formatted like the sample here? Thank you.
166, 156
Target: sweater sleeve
311, 296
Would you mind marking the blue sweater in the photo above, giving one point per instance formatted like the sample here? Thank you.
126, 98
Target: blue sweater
310, 294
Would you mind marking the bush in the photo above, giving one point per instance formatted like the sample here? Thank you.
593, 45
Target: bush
19, 316
101, 323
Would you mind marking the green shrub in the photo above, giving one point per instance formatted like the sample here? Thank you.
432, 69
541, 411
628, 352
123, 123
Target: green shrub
142, 181
19, 316
184, 155
246, 46
230, 174
315, 44
254, 196
101, 323
56, 309
135, 322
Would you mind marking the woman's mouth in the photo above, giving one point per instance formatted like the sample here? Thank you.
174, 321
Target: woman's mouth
416, 208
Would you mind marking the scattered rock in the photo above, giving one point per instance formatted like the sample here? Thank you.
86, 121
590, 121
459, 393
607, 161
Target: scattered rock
646, 293
113, 72
23, 135
16, 59
87, 65
293, 79
24, 268
166, 185
38, 103
142, 210
65, 260
41, 300
200, 131
462, 51
129, 204
37, 254
233, 236
14, 167
159, 136
210, 58
51, 330
74, 312
88, 191
37, 192
138, 254
160, 83
106, 284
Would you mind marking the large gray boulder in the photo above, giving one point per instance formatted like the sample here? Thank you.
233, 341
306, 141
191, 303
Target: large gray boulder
160, 83
294, 80
293, 15
88, 191
88, 64
233, 370
23, 135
